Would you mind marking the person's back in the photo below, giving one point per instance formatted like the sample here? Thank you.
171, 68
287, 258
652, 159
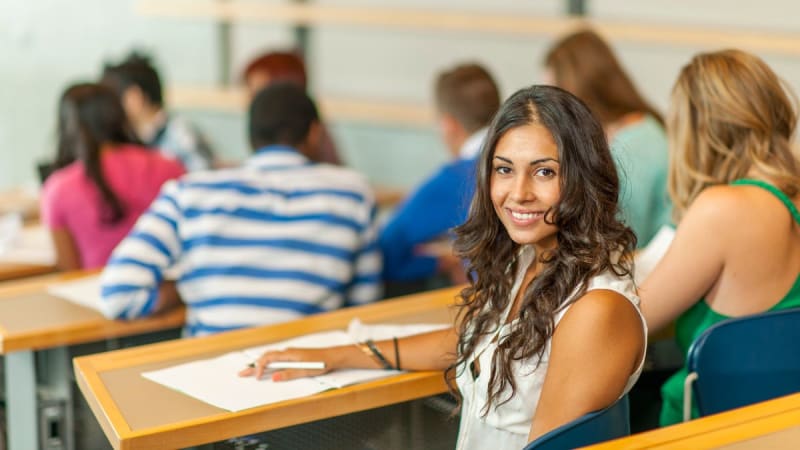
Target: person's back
467, 98
640, 152
105, 180
271, 241
735, 184
135, 174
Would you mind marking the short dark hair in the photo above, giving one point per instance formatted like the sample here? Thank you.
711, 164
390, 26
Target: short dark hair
281, 113
135, 70
468, 93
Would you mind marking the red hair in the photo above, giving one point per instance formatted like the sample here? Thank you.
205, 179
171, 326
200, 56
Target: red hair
281, 66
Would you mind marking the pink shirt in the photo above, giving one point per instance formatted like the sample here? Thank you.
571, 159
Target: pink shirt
71, 201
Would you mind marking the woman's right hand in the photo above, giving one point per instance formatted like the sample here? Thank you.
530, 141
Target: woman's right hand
259, 367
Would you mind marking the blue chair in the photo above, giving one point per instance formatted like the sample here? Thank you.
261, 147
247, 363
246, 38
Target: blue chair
743, 361
599, 426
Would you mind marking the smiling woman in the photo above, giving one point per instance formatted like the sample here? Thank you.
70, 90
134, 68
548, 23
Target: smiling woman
525, 184
550, 284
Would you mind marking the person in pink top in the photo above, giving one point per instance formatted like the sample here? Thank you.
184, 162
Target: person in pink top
104, 179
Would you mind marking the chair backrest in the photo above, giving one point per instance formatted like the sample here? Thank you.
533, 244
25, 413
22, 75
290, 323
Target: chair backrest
746, 360
599, 426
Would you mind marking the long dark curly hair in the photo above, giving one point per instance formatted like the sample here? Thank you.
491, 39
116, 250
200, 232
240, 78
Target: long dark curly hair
591, 238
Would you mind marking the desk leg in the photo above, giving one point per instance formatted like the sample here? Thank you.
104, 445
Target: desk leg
22, 417
55, 403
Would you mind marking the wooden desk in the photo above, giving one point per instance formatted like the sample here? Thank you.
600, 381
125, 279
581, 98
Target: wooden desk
136, 413
30, 320
12, 271
771, 424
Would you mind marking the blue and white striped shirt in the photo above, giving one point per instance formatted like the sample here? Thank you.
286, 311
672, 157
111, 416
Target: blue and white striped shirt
272, 241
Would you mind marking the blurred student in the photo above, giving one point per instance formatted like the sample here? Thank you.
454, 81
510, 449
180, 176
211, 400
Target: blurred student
735, 184
467, 99
584, 64
138, 85
289, 67
274, 240
104, 179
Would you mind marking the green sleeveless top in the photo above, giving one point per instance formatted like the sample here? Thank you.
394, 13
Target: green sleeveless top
700, 317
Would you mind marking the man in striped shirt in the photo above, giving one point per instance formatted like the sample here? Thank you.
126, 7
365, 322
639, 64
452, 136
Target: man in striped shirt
277, 239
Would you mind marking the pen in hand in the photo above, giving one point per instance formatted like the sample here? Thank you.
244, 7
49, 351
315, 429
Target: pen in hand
278, 365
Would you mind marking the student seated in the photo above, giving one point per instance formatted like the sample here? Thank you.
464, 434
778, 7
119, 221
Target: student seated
735, 186
273, 67
549, 327
103, 180
585, 65
467, 98
274, 240
138, 85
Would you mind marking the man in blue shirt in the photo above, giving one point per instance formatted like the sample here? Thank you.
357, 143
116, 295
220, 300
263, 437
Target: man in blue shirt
466, 98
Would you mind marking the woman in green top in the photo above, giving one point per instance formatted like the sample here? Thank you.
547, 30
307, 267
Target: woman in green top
735, 187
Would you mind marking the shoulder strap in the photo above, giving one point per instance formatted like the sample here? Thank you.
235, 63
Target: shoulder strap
775, 191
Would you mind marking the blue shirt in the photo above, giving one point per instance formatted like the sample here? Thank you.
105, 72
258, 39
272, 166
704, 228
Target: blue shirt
439, 204
271, 241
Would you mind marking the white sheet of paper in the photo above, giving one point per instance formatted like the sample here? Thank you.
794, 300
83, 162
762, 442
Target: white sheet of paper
83, 291
215, 381
10, 227
31, 245
647, 258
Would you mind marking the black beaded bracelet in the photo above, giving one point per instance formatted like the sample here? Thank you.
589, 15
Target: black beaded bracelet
378, 355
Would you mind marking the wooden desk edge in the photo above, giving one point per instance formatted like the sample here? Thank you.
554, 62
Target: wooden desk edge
90, 332
729, 420
93, 391
329, 404
10, 271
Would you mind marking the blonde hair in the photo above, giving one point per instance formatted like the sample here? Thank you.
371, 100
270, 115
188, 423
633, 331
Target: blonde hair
729, 113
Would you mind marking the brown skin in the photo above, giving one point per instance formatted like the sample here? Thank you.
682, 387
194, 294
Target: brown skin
67, 256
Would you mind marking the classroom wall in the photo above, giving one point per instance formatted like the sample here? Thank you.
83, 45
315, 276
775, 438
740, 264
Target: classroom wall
46, 44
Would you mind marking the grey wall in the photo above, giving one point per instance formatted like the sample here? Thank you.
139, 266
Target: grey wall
46, 44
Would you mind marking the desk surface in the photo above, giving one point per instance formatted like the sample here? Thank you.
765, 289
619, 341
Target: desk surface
11, 271
136, 413
31, 319
771, 424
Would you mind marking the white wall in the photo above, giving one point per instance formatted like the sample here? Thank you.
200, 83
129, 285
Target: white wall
46, 44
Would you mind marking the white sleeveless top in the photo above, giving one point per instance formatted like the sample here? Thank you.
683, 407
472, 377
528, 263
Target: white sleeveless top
507, 426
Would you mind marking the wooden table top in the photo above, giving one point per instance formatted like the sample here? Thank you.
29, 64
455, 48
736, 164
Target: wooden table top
32, 319
771, 424
136, 413
12, 271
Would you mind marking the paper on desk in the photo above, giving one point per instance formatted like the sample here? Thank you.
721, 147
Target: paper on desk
647, 258
30, 245
10, 227
215, 380
83, 291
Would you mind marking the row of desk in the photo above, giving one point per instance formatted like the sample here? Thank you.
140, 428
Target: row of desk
135, 413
